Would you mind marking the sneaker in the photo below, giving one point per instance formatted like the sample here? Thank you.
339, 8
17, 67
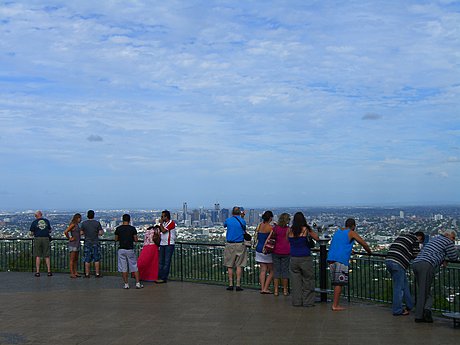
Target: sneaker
230, 288
239, 288
139, 286
126, 286
160, 281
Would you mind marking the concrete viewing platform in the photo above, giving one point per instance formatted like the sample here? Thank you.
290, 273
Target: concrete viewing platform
60, 310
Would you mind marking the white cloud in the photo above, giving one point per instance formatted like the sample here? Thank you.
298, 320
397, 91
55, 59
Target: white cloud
229, 86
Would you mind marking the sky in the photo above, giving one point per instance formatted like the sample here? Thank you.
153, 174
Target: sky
149, 104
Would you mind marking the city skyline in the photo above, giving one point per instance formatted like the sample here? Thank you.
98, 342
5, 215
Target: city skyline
143, 105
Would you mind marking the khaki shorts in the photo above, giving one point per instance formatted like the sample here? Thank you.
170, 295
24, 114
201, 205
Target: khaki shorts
42, 247
235, 255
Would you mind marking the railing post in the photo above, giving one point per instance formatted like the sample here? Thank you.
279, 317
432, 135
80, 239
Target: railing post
323, 269
181, 263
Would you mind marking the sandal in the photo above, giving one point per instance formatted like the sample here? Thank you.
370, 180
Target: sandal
49, 274
276, 293
37, 274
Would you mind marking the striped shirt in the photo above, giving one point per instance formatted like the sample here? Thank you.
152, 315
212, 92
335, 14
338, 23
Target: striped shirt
403, 250
436, 251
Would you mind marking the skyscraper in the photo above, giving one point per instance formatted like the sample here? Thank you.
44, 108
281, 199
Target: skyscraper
224, 213
184, 210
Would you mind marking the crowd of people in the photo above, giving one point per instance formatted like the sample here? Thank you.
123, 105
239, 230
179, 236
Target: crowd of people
153, 264
283, 251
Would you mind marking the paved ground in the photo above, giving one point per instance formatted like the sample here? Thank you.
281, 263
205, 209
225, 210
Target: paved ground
60, 310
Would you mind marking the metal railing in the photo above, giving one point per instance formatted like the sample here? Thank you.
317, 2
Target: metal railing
203, 262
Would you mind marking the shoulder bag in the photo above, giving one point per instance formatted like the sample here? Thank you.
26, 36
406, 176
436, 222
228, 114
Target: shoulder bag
269, 245
246, 236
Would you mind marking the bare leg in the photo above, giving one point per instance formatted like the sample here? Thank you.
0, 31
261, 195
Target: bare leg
268, 279
97, 266
230, 276
239, 270
125, 277
285, 287
72, 264
37, 264
136, 275
75, 265
276, 283
87, 268
262, 275
48, 264
335, 304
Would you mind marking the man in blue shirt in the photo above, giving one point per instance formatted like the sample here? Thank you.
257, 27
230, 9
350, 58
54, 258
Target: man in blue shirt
41, 229
235, 253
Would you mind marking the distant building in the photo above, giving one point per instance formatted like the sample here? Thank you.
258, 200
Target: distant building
195, 215
401, 214
253, 217
224, 213
438, 217
184, 210
215, 216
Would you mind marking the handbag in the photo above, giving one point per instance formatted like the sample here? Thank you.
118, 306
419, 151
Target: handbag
247, 238
269, 245
156, 236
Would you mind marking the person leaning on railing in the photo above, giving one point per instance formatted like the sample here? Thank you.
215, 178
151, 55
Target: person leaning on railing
339, 257
400, 254
431, 257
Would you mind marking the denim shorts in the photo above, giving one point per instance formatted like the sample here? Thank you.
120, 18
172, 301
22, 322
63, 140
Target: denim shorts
74, 249
281, 266
92, 253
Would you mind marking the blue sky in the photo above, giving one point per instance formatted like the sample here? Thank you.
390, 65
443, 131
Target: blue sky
147, 104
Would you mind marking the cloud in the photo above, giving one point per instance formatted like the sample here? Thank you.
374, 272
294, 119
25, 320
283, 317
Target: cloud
94, 138
225, 87
371, 116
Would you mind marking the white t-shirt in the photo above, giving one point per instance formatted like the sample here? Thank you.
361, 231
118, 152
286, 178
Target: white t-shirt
168, 237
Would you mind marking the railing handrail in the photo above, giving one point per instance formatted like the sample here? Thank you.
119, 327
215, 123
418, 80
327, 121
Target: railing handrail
209, 244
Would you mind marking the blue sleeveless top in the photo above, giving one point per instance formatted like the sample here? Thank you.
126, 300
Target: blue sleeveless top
261, 238
341, 246
299, 247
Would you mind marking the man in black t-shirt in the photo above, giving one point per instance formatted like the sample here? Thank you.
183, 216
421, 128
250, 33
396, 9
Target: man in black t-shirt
126, 235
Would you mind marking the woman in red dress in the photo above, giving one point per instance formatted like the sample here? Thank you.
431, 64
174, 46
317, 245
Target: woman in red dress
147, 263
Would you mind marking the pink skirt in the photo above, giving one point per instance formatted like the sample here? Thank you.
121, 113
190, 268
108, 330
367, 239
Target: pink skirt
147, 263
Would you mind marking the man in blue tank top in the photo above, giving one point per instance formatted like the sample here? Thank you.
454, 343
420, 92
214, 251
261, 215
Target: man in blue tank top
339, 257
